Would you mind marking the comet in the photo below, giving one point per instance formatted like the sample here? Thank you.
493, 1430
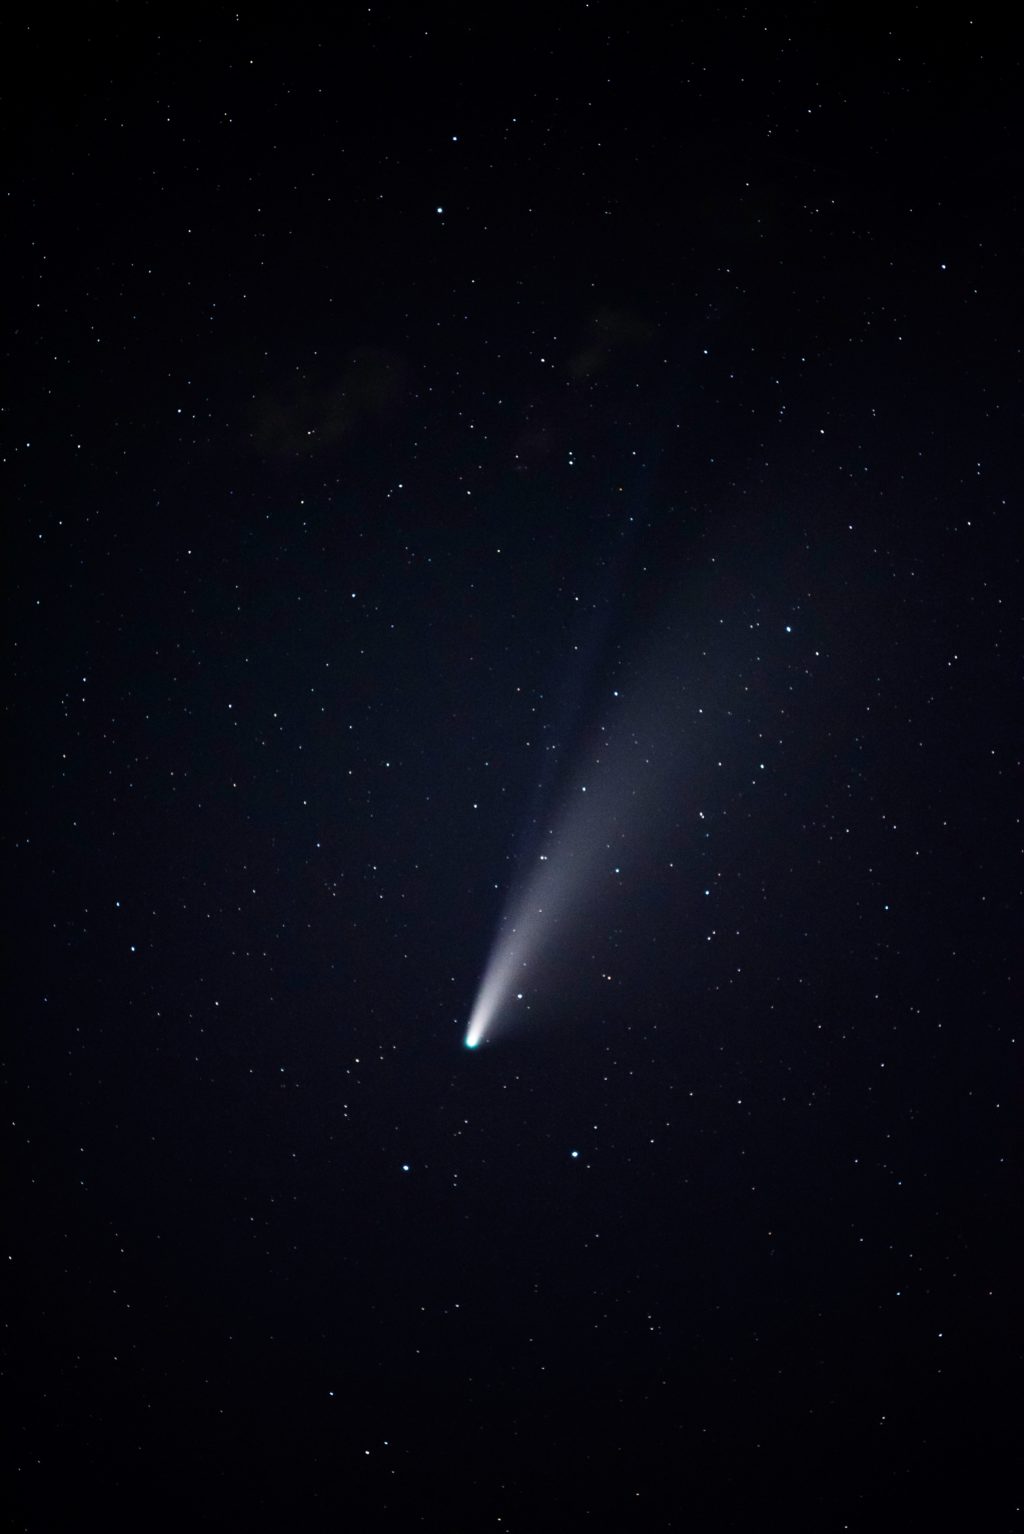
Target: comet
624, 785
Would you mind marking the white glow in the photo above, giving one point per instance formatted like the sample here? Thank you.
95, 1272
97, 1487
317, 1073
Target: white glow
496, 988
560, 886
626, 789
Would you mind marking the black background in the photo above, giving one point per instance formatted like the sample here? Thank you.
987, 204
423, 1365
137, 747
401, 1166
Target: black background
380, 391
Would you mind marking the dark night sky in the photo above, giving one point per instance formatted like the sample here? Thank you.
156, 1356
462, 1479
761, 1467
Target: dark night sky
383, 395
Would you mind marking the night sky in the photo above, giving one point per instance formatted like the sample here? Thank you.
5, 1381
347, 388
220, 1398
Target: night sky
523, 506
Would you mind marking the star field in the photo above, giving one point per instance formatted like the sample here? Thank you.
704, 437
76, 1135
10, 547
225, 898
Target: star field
513, 542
